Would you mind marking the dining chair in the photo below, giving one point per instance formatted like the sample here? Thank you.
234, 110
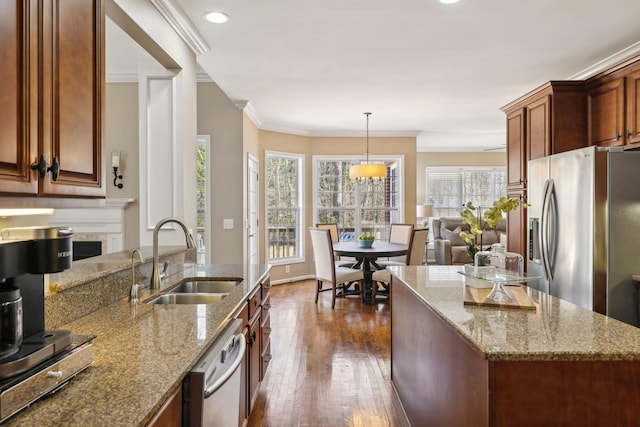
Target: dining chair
335, 237
328, 272
333, 228
400, 233
415, 256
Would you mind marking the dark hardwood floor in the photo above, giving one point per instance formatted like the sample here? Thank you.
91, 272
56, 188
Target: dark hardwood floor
329, 367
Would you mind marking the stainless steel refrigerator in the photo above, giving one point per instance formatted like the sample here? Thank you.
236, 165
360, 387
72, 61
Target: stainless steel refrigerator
584, 228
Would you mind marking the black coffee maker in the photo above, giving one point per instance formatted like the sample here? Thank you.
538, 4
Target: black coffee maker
26, 254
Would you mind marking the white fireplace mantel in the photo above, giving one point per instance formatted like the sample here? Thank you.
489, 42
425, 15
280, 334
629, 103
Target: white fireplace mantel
105, 224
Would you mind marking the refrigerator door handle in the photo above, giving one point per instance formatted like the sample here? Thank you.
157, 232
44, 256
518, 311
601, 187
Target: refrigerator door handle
544, 228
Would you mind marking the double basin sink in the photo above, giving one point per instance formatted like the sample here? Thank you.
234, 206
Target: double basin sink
197, 292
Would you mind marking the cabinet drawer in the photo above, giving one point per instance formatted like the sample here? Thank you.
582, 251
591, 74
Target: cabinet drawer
266, 303
266, 327
254, 303
266, 359
266, 286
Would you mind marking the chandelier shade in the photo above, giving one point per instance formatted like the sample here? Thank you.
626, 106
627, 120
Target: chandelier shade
368, 171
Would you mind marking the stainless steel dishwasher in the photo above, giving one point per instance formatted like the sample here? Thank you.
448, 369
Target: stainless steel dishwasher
211, 394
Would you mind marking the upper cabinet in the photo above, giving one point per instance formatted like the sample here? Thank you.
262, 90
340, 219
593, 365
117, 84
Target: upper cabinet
52, 98
614, 117
548, 120
516, 149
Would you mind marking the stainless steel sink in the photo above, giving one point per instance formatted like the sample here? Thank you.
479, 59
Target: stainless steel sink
207, 287
175, 298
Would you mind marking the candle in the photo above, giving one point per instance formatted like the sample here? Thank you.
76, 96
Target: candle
115, 159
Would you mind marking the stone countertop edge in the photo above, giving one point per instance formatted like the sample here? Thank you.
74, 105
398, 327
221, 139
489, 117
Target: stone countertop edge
141, 353
557, 330
93, 268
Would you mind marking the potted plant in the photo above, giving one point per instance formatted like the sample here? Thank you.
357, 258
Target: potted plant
366, 240
479, 222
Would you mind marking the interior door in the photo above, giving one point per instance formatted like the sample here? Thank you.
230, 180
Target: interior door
252, 211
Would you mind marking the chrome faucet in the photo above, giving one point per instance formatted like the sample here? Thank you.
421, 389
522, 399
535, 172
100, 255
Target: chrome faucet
155, 276
135, 287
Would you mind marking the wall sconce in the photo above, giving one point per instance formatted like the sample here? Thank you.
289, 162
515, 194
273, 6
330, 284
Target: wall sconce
115, 164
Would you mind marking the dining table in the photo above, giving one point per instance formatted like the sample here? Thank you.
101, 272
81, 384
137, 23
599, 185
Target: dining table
366, 258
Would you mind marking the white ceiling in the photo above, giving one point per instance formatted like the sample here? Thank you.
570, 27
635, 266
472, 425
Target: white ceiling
440, 72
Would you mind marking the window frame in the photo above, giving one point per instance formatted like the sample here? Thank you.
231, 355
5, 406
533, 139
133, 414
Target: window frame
398, 164
301, 231
460, 170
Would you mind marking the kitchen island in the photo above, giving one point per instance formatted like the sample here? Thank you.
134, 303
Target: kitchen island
462, 365
141, 352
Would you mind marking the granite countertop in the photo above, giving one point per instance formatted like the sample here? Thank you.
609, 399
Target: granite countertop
556, 330
141, 353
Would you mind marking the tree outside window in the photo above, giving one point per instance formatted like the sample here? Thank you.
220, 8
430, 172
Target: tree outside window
283, 200
356, 208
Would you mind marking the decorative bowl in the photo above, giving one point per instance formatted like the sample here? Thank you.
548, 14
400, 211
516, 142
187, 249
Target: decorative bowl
365, 243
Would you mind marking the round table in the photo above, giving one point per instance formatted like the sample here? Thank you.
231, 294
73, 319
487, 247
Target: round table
366, 257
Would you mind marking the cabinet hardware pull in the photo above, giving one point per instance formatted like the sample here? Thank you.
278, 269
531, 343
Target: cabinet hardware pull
42, 167
54, 374
618, 136
629, 133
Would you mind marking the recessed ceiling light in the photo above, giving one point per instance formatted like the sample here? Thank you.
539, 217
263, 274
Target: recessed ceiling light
216, 17
449, 1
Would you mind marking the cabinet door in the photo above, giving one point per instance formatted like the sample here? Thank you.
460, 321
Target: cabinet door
632, 134
71, 97
170, 414
18, 140
538, 128
254, 360
606, 113
517, 227
516, 150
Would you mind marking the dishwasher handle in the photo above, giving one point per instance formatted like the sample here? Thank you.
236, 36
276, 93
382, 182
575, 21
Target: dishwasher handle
234, 365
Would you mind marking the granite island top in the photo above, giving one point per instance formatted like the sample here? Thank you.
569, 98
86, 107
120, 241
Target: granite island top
141, 353
556, 330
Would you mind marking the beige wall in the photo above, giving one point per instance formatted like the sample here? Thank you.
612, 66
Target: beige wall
224, 122
424, 160
121, 117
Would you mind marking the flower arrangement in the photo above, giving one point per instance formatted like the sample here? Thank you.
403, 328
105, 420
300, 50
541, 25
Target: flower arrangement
472, 216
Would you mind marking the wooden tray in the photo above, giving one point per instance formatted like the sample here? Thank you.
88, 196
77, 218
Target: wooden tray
478, 296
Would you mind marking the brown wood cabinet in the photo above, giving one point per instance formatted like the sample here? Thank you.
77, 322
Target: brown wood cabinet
549, 120
443, 380
517, 226
265, 329
52, 98
255, 314
613, 111
170, 414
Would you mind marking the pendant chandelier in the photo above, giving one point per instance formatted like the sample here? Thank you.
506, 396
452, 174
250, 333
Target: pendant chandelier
368, 171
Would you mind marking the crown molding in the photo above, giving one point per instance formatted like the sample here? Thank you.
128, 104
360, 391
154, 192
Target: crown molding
182, 25
253, 116
610, 61
203, 77
240, 103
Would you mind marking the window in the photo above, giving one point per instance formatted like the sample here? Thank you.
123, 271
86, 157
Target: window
449, 188
283, 200
357, 208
